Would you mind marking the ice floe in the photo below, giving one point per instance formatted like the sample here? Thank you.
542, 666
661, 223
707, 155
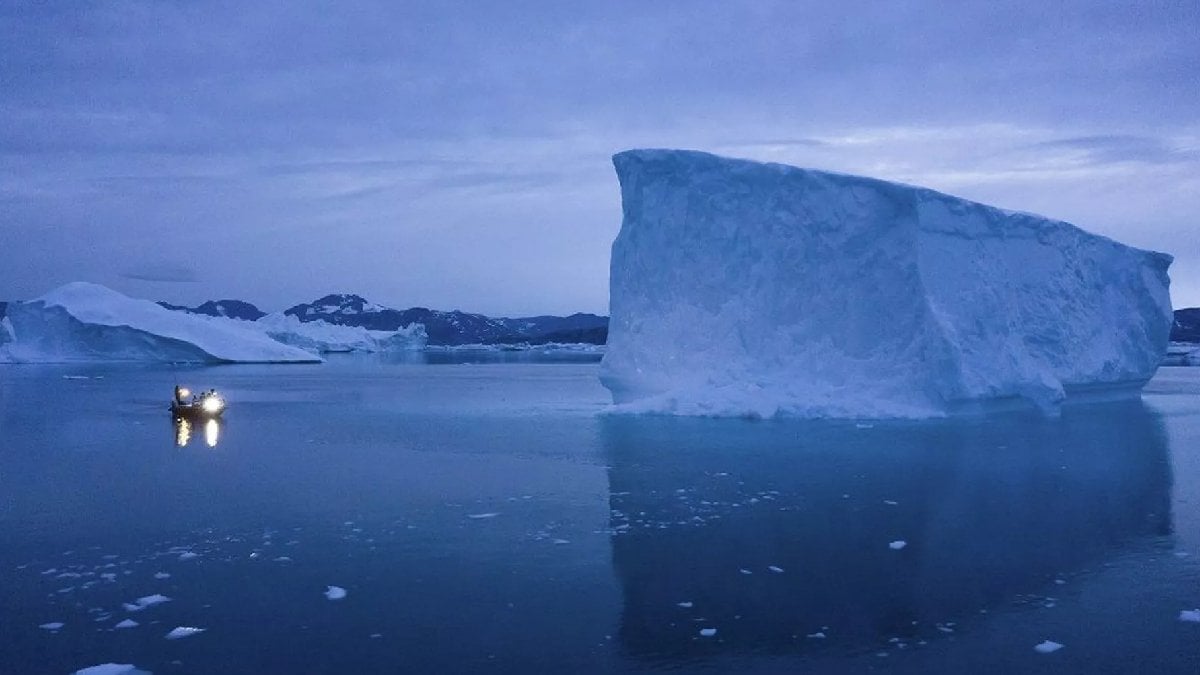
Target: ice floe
1190, 615
127, 623
110, 669
1047, 647
145, 601
708, 632
52, 626
898, 544
335, 592
183, 631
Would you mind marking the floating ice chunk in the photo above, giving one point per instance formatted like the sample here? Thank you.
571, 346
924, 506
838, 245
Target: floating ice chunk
282, 558
145, 601
775, 569
685, 605
335, 592
481, 516
183, 631
819, 635
745, 571
53, 625
127, 623
898, 544
708, 632
1190, 615
188, 555
562, 541
111, 669
1047, 647
162, 575
889, 502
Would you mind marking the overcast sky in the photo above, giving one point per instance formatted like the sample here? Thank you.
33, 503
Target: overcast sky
456, 154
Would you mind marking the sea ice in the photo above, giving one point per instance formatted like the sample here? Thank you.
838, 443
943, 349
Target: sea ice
740, 288
685, 605
145, 601
775, 569
162, 575
708, 632
1190, 615
481, 516
1047, 647
898, 544
127, 623
335, 592
183, 631
188, 555
53, 625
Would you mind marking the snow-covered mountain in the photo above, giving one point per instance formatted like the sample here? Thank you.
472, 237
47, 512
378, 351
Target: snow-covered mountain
453, 327
230, 309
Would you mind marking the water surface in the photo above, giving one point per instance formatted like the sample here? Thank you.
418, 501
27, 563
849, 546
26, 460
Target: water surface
484, 517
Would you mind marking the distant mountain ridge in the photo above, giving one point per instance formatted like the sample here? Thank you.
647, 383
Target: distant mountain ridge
443, 328
233, 309
454, 327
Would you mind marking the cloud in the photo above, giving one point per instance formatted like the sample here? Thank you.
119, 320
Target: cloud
162, 273
1114, 148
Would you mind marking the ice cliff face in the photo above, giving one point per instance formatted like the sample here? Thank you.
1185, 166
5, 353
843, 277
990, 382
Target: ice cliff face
740, 288
87, 322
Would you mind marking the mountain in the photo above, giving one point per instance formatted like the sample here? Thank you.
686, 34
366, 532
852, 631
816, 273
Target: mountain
453, 327
1187, 325
233, 309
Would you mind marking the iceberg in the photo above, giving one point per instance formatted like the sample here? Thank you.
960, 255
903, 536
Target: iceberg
751, 289
87, 322
322, 337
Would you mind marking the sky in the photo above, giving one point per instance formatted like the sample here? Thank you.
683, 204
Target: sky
456, 155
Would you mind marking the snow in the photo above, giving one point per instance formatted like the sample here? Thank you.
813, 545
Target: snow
1190, 615
335, 592
183, 631
1047, 647
88, 322
760, 290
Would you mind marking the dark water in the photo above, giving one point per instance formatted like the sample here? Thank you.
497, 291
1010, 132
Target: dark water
483, 517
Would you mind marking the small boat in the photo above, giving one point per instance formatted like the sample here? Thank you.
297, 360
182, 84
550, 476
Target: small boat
206, 405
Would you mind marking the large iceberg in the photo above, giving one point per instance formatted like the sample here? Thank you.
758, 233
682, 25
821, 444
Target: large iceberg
742, 288
87, 322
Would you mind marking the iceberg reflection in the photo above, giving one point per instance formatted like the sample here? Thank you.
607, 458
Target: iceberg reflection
775, 531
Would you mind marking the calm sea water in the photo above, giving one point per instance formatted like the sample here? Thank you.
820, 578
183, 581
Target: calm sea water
484, 517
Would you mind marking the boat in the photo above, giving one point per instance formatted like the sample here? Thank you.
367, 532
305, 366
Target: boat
206, 405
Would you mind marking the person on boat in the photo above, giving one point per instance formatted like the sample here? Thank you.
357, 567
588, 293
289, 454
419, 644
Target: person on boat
180, 394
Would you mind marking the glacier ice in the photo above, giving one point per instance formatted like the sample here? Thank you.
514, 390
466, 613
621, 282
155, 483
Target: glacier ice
742, 288
87, 322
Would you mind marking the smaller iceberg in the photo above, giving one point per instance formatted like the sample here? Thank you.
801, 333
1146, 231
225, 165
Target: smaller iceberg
88, 322
322, 337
